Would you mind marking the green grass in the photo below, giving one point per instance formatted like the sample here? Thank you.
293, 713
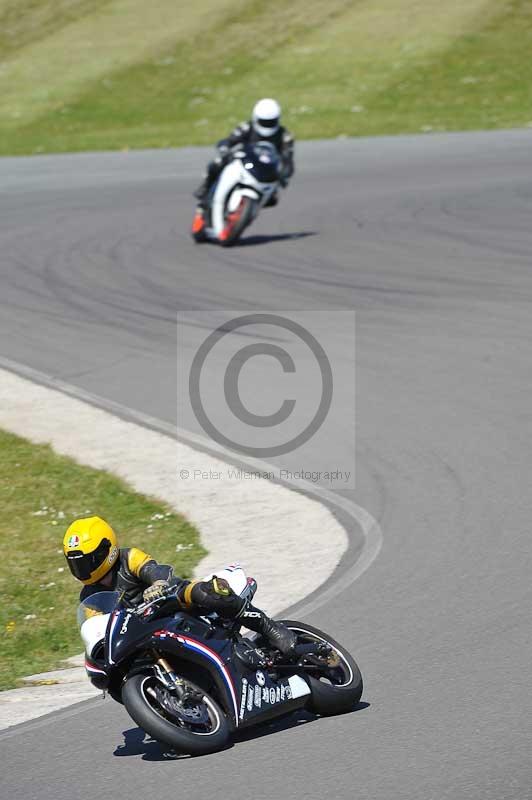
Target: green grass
103, 75
23, 22
40, 494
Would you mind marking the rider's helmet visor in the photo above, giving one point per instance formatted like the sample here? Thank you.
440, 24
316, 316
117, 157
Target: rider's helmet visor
83, 565
268, 123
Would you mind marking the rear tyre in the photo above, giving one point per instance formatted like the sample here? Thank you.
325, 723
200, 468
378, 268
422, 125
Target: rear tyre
334, 689
152, 707
236, 222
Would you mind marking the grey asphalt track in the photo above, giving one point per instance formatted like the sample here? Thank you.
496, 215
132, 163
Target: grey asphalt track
430, 240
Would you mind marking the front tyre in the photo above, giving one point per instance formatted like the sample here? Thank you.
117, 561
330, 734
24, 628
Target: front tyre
199, 226
236, 221
200, 237
196, 727
336, 684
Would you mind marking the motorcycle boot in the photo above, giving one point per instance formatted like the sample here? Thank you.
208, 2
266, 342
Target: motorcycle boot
277, 634
201, 192
272, 201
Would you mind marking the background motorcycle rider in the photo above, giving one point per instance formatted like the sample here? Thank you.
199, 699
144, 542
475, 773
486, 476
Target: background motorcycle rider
265, 125
91, 549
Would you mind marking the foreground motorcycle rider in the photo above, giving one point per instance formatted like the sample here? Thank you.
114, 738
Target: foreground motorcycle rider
265, 125
91, 549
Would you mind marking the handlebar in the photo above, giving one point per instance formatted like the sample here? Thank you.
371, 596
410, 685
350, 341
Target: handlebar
167, 594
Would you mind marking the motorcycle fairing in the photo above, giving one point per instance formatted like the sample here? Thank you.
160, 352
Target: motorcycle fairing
211, 655
248, 694
168, 639
233, 185
262, 697
97, 676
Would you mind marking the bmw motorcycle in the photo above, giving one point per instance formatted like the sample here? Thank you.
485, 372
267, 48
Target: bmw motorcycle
245, 185
191, 681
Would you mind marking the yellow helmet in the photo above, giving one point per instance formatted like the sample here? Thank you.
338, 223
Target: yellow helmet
91, 548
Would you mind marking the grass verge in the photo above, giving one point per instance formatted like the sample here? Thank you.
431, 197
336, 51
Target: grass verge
40, 494
100, 74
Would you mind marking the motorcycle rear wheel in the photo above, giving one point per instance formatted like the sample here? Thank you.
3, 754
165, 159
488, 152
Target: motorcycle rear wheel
334, 690
141, 695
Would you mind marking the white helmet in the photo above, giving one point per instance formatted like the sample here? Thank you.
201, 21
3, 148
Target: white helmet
266, 117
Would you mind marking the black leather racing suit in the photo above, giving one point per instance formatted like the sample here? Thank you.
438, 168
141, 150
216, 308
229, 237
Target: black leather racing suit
135, 570
245, 133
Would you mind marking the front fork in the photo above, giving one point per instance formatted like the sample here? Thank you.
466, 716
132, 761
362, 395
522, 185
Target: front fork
167, 676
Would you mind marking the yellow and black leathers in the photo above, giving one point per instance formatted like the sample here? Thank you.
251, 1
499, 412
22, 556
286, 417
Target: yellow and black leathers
214, 594
217, 595
133, 571
91, 549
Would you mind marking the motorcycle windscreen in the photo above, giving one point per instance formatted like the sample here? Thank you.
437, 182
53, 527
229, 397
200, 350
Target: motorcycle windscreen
97, 604
263, 163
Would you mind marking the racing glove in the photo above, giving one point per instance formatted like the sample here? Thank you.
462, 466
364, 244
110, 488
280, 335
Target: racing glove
224, 154
154, 591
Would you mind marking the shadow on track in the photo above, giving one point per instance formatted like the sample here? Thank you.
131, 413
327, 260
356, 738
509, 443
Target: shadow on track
250, 241
138, 743
293, 720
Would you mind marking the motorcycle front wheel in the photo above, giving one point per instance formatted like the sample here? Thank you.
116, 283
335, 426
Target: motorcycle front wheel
195, 725
236, 222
